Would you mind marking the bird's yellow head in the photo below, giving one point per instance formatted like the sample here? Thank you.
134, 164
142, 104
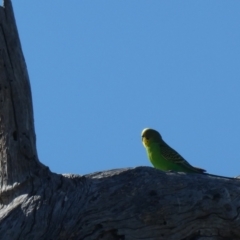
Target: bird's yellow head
150, 135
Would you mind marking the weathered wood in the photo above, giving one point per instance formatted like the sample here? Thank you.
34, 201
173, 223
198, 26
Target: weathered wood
17, 142
139, 203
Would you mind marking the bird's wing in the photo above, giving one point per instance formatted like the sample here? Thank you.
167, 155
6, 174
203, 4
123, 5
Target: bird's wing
171, 155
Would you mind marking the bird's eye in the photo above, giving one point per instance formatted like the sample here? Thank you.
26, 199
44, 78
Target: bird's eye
144, 136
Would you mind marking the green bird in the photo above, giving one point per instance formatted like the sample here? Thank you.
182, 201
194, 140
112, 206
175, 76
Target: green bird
164, 157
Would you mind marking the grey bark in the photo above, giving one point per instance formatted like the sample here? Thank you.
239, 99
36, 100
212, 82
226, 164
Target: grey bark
138, 203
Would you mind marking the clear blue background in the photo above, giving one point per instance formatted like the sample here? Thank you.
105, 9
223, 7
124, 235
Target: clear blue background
101, 71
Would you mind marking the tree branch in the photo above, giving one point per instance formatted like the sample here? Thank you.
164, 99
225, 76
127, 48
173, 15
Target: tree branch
139, 203
18, 159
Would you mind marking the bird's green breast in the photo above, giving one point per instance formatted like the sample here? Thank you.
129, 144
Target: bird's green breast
160, 162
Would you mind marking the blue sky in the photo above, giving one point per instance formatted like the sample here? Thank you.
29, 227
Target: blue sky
101, 71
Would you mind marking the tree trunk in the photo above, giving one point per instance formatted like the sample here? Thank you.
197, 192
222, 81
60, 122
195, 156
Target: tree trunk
139, 203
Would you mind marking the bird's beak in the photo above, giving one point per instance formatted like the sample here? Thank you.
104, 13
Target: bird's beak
145, 142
